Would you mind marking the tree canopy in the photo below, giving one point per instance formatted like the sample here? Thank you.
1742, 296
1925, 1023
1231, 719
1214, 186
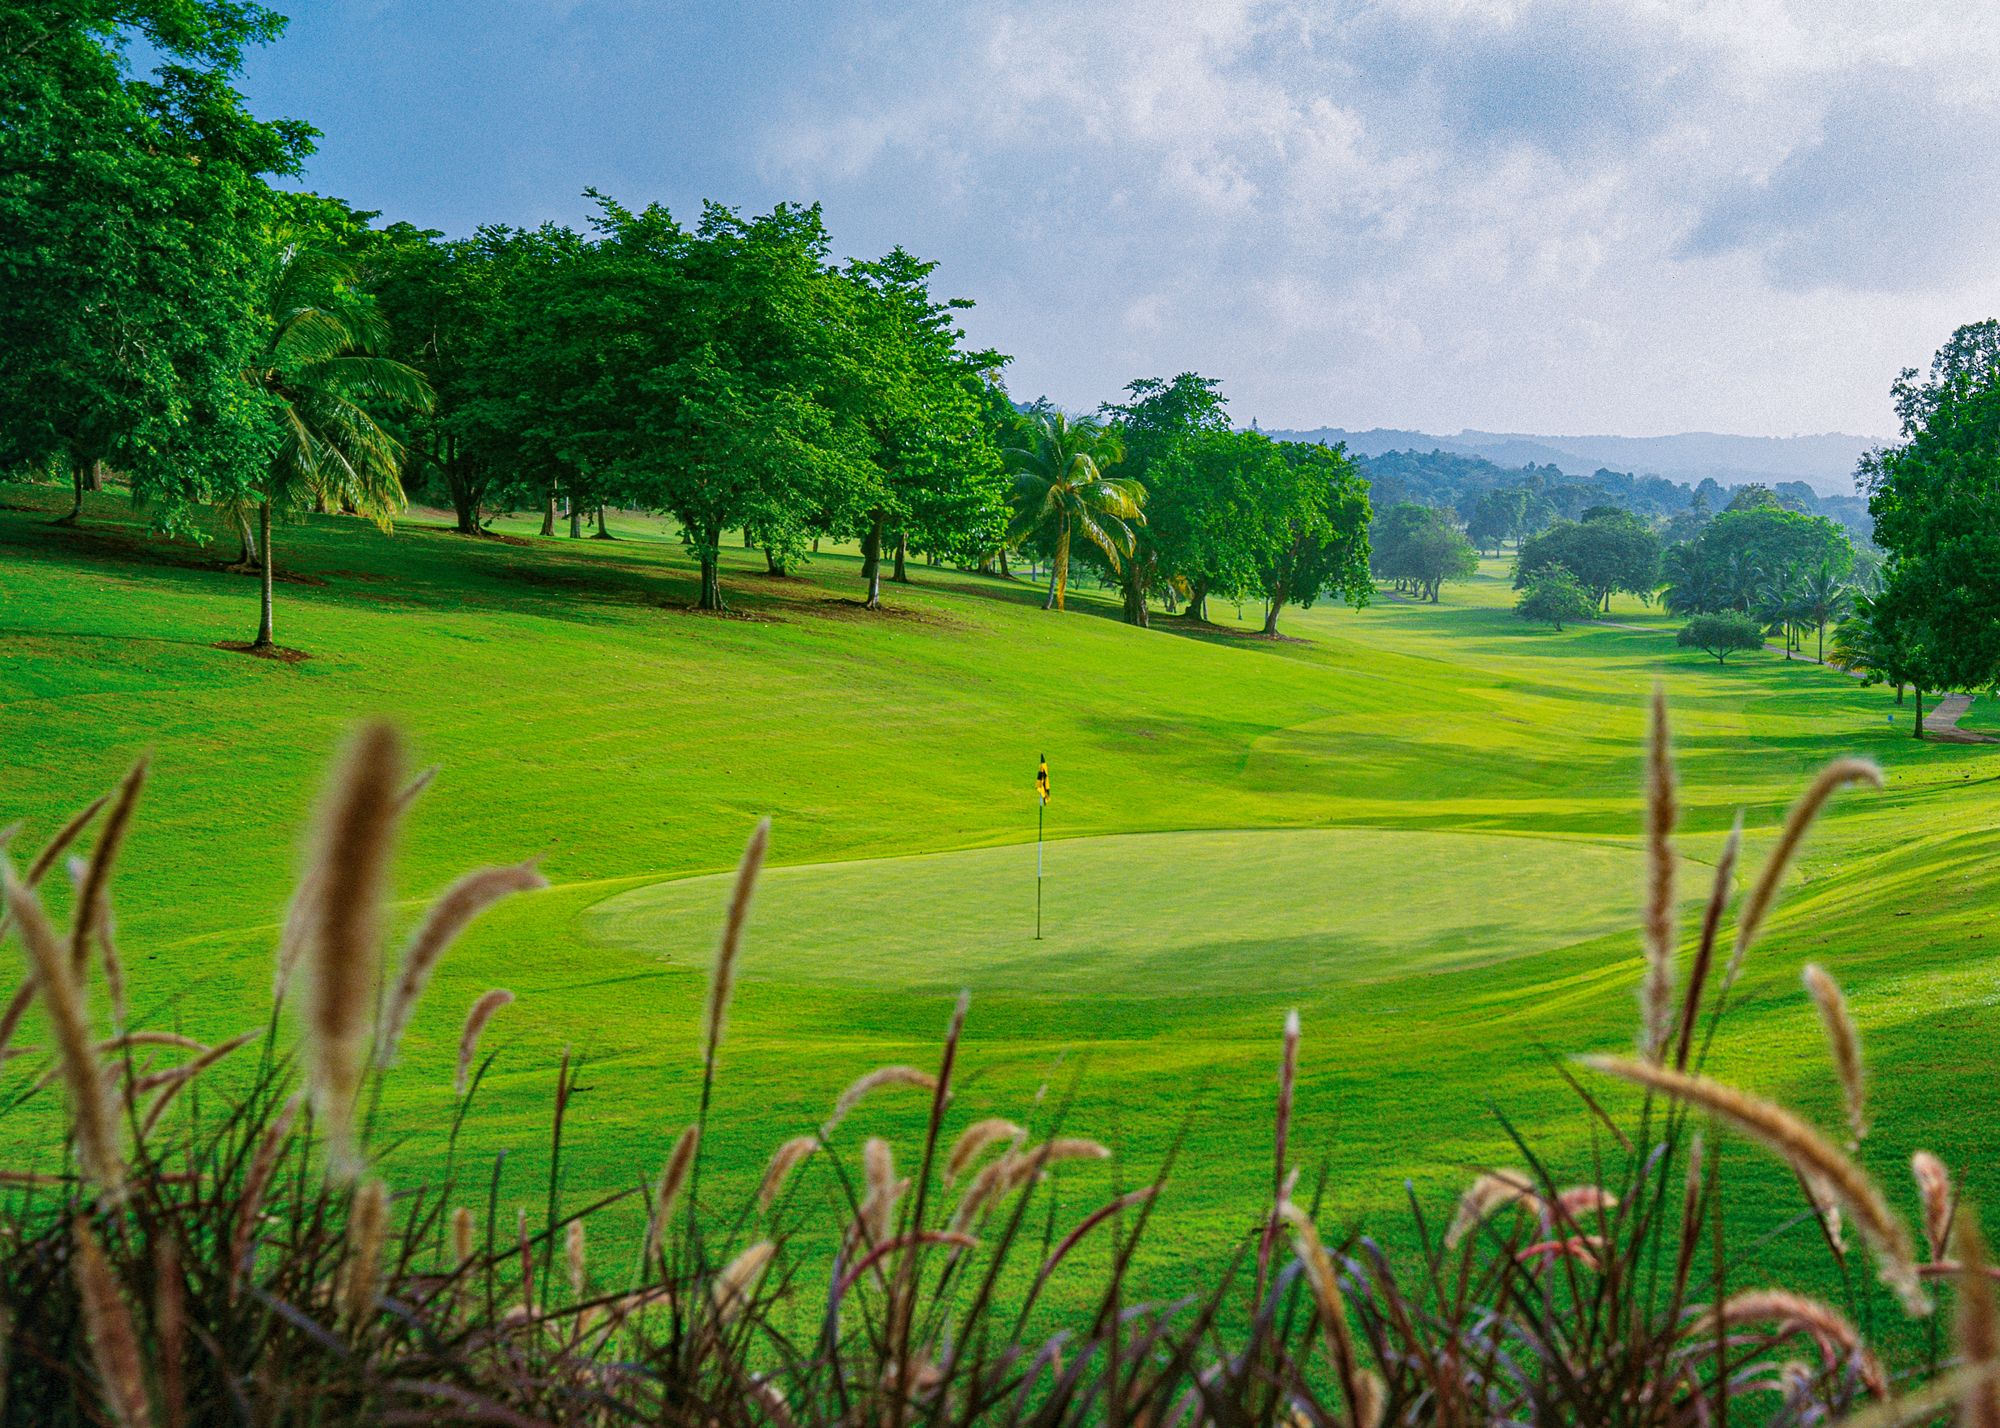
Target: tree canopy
1553, 596
1935, 495
133, 213
1418, 549
1609, 551
1721, 635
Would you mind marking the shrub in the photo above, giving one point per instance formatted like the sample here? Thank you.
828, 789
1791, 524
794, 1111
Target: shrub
1721, 635
1552, 596
264, 1264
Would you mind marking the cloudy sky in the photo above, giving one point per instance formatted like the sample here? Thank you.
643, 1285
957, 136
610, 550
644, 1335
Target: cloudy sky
1569, 217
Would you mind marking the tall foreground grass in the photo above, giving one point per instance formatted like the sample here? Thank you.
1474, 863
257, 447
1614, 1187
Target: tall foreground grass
223, 1245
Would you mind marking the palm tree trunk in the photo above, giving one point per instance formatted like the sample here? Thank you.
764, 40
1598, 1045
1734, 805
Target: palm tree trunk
871, 560
1059, 570
246, 550
901, 574
549, 511
263, 641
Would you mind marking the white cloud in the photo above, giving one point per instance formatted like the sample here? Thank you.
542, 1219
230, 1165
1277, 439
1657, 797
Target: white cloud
1542, 214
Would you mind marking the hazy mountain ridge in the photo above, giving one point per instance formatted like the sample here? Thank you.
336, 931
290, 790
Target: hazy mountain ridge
1824, 461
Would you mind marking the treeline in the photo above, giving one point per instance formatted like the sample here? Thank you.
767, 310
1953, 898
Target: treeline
1757, 567
1503, 504
226, 346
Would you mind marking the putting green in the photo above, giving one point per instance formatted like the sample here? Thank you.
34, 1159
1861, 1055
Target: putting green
1284, 912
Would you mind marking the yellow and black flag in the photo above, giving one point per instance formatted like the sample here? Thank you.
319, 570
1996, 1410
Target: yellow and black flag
1042, 780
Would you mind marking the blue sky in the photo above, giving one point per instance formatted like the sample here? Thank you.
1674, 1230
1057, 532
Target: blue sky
1628, 217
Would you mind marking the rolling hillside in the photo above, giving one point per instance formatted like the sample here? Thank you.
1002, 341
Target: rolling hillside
1416, 824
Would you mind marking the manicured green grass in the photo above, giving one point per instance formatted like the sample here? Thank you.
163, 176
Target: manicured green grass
1149, 914
1414, 823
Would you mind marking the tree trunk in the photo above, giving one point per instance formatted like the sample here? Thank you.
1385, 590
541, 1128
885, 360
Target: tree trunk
1822, 642
76, 467
1059, 570
576, 522
815, 545
466, 505
711, 576
246, 552
1277, 604
773, 565
93, 475
1135, 601
549, 512
1197, 605
1899, 694
749, 539
871, 560
901, 574
1917, 729
263, 641
1005, 573
602, 532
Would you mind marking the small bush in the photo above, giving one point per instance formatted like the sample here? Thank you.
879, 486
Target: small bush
224, 1253
1550, 595
1721, 635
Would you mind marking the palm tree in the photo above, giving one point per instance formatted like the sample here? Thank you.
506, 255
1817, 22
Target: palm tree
1739, 578
1823, 598
1862, 646
316, 371
1692, 586
1060, 486
1776, 602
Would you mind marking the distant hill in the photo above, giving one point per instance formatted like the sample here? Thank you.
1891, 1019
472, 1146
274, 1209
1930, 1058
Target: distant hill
1824, 462
1456, 481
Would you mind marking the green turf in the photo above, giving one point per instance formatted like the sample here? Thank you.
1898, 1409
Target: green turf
1456, 928
1294, 911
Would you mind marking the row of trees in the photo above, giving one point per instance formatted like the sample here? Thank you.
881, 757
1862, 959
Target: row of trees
1167, 501
728, 375
227, 346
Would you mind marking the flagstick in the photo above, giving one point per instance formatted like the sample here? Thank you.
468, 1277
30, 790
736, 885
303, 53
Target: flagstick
1041, 812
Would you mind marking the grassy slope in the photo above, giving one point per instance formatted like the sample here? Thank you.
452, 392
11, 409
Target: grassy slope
581, 714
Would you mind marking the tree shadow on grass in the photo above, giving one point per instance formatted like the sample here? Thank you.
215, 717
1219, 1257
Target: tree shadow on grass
1098, 605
